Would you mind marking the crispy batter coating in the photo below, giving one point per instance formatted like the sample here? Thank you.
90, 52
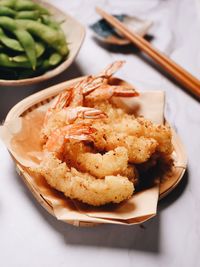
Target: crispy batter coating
57, 120
140, 136
94, 147
112, 162
83, 186
103, 170
85, 158
113, 112
139, 148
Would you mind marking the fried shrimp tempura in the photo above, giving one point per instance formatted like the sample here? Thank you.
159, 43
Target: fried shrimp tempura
112, 162
83, 157
83, 186
139, 136
94, 149
139, 149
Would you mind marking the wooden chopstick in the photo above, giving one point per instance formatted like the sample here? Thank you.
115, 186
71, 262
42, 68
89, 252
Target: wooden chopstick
181, 75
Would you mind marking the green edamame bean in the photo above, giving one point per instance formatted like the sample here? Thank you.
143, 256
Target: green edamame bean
22, 5
49, 22
38, 29
8, 23
20, 58
6, 11
50, 62
33, 15
45, 66
55, 59
43, 11
28, 43
26, 19
40, 48
7, 3
62, 47
10, 42
55, 39
5, 61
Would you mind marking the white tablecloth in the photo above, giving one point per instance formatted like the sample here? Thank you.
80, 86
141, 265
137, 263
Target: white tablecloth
29, 236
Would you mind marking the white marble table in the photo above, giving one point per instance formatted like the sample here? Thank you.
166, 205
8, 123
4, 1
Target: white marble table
29, 236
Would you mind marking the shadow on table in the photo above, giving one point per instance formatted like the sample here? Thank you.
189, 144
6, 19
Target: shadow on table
9, 96
145, 237
176, 193
122, 49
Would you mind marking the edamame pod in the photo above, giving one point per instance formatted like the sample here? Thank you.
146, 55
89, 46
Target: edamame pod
33, 15
5, 61
22, 5
7, 3
6, 11
55, 39
40, 48
10, 42
20, 58
55, 59
39, 39
51, 62
49, 22
8, 23
28, 44
62, 47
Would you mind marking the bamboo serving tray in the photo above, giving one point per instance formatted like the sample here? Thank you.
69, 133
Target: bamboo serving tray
43, 97
74, 32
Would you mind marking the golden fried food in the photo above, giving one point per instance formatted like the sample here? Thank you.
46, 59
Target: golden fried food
85, 158
93, 149
139, 149
112, 162
83, 186
140, 141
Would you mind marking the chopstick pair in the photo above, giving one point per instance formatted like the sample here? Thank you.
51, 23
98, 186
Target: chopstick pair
191, 83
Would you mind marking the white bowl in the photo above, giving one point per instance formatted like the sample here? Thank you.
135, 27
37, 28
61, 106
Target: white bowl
75, 34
